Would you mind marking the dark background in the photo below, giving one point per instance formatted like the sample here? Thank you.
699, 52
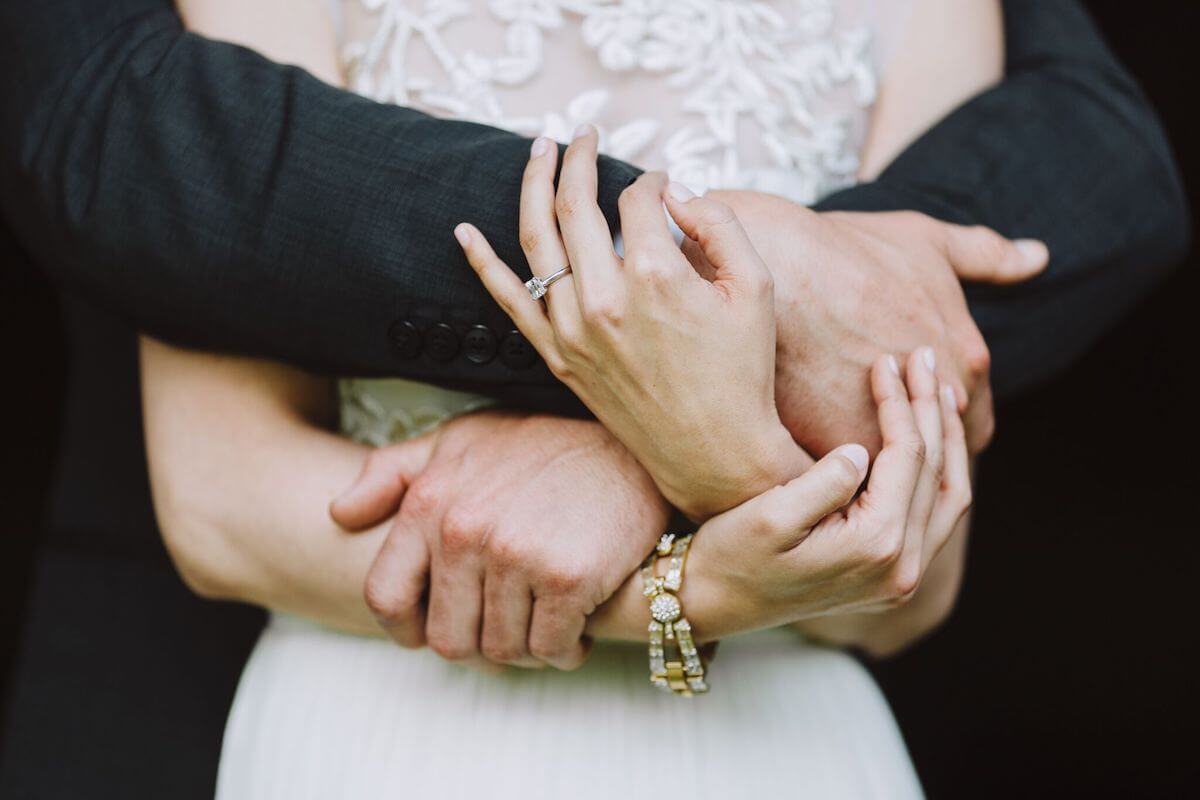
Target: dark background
1067, 666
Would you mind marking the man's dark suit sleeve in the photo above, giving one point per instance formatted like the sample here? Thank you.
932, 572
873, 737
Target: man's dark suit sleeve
223, 201
1067, 150
219, 200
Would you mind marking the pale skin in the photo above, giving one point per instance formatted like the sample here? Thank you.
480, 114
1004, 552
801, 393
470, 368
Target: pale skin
253, 525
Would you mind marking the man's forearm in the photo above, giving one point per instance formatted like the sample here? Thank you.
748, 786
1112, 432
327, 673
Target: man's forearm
1066, 150
223, 201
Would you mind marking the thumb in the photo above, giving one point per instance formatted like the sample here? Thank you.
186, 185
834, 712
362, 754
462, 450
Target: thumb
722, 239
978, 253
376, 493
792, 510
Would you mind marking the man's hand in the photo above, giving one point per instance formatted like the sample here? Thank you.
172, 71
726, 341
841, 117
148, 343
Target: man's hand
850, 286
522, 526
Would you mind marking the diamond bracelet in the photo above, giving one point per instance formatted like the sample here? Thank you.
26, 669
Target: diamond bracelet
669, 629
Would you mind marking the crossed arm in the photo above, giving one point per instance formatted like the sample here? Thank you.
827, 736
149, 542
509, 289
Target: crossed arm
137, 159
205, 520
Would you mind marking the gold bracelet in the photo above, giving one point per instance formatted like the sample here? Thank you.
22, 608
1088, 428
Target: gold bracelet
683, 675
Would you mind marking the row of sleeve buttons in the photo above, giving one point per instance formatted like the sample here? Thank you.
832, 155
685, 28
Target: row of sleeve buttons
478, 345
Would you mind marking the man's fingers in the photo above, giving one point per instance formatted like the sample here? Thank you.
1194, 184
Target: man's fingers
980, 254
376, 493
395, 585
556, 634
507, 608
455, 607
720, 235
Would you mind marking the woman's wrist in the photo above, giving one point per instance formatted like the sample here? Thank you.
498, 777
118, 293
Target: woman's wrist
714, 611
759, 462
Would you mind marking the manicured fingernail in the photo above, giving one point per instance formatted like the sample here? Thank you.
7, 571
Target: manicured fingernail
892, 365
462, 234
928, 358
583, 130
539, 147
857, 454
680, 192
949, 400
1033, 252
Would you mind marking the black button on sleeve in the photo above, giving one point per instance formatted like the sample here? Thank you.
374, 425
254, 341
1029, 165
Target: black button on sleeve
479, 345
441, 342
517, 352
405, 338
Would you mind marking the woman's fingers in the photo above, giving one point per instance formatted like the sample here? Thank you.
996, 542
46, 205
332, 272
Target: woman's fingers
923, 395
584, 230
954, 497
721, 236
644, 219
506, 288
540, 240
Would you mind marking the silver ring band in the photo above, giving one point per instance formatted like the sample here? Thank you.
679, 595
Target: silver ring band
539, 286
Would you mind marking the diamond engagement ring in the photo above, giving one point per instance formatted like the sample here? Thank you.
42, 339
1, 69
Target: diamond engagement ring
539, 286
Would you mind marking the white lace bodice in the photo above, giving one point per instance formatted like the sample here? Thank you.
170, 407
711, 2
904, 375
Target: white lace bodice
772, 95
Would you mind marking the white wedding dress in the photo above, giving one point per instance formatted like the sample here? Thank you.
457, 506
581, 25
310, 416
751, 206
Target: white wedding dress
773, 96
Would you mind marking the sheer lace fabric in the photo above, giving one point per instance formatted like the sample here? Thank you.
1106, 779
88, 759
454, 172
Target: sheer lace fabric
719, 93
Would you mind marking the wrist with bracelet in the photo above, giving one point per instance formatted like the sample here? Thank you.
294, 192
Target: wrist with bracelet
676, 664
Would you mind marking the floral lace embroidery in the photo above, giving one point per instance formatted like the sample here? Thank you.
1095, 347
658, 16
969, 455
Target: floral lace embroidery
725, 63
379, 412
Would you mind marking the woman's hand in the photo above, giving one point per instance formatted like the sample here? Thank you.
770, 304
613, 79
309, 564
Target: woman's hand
810, 548
681, 369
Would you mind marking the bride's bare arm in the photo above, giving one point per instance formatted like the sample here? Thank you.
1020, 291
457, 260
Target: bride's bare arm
950, 50
297, 32
242, 474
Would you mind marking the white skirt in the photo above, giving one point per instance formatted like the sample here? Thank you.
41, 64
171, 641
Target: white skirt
319, 714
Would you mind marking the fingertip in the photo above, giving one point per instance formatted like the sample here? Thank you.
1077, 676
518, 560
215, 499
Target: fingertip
885, 377
920, 377
462, 232
344, 510
856, 454
949, 399
679, 192
1035, 255
541, 145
